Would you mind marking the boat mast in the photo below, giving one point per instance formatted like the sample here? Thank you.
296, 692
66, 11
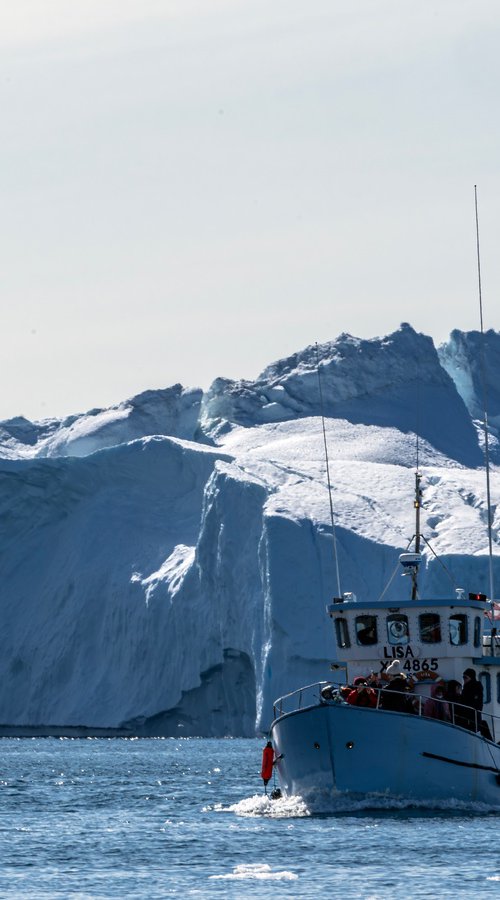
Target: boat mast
332, 518
417, 505
485, 405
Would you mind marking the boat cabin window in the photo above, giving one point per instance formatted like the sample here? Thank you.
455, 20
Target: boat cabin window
484, 678
366, 630
397, 629
430, 628
342, 633
477, 631
458, 629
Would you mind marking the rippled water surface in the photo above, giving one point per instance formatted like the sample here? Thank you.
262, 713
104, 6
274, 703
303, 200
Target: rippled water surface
156, 818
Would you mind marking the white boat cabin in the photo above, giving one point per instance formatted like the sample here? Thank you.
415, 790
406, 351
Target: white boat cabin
431, 638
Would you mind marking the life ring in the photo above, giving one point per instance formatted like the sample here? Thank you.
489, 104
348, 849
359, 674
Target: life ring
424, 676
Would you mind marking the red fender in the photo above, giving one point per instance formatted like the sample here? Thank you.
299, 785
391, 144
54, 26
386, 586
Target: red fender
267, 764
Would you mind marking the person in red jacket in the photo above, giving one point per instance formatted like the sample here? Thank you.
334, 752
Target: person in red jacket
435, 707
361, 694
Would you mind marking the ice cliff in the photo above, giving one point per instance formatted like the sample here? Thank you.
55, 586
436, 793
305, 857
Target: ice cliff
165, 564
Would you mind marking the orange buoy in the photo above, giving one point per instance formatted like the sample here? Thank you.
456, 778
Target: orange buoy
267, 762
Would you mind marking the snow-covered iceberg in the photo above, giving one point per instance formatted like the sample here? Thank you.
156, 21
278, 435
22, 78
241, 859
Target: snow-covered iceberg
173, 411
165, 564
473, 362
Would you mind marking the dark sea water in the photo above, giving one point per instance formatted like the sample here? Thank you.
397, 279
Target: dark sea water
98, 818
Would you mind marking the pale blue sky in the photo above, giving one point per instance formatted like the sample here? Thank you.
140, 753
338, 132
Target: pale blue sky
193, 189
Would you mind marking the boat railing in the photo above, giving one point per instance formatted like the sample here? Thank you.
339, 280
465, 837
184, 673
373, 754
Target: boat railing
311, 693
453, 713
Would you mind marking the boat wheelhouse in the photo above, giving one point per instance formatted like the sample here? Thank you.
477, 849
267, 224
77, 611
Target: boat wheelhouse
432, 639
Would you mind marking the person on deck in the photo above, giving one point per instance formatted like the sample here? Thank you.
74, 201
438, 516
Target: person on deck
472, 700
361, 694
435, 707
394, 695
453, 694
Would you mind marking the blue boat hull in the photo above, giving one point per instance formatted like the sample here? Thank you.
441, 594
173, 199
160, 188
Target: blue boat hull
341, 748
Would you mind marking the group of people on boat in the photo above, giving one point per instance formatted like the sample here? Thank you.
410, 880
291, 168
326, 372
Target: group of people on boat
449, 701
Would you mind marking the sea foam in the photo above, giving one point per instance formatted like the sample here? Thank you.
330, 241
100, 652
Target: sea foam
257, 871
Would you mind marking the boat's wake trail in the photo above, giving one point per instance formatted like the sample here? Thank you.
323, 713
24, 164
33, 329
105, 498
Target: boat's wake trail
328, 804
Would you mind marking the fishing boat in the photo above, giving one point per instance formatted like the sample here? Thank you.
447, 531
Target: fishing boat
324, 741
389, 722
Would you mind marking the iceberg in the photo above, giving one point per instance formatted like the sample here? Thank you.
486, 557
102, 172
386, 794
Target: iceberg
166, 563
472, 360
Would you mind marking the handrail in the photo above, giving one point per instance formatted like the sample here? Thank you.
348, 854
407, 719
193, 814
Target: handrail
455, 707
299, 691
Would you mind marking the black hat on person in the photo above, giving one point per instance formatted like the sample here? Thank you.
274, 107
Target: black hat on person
470, 673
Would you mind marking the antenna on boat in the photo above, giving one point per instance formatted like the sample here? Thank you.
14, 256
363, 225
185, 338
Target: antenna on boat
411, 561
417, 505
485, 404
332, 518
416, 502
